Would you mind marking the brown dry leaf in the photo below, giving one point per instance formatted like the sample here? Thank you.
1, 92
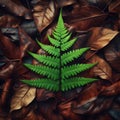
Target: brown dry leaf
7, 70
15, 8
102, 69
115, 6
44, 12
100, 37
84, 17
66, 111
86, 97
22, 97
32, 116
26, 43
8, 51
43, 95
111, 90
8, 21
112, 55
62, 3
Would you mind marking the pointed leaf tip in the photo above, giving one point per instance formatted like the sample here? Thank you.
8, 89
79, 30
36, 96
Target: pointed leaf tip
60, 20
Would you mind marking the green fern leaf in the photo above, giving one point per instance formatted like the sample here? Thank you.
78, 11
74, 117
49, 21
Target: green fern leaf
66, 38
50, 49
71, 55
47, 60
44, 70
54, 42
68, 44
76, 82
58, 74
43, 83
75, 69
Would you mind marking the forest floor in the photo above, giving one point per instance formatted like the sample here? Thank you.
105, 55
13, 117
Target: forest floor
96, 24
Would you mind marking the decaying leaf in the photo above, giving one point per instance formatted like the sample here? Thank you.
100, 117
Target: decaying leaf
115, 6
23, 97
62, 3
100, 37
15, 8
112, 55
8, 21
86, 98
102, 69
82, 18
44, 12
111, 90
6, 70
26, 43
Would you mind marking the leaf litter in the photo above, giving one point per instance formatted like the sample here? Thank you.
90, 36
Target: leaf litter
95, 23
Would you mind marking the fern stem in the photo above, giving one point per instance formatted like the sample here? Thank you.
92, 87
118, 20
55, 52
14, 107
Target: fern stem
60, 82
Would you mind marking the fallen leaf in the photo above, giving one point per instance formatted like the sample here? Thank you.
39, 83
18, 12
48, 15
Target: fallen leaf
7, 70
86, 98
26, 42
43, 14
111, 90
47, 108
22, 97
33, 116
82, 18
100, 37
62, 3
66, 111
17, 9
6, 95
102, 69
8, 51
115, 7
112, 55
9, 21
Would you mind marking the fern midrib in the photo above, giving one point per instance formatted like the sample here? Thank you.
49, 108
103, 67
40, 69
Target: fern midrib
60, 81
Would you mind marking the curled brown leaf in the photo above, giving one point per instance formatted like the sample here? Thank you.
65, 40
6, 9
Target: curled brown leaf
112, 55
102, 69
17, 9
22, 97
43, 14
100, 37
83, 17
115, 6
8, 21
86, 99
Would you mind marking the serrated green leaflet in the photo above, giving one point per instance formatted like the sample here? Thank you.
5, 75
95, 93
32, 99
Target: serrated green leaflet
58, 74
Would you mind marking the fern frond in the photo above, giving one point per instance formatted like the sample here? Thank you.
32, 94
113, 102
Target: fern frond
44, 70
68, 44
55, 69
43, 83
54, 42
50, 49
47, 60
75, 69
71, 55
76, 82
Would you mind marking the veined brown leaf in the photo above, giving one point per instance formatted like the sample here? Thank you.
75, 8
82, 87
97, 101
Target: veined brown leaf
102, 69
44, 12
62, 3
100, 37
22, 97
112, 55
115, 6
